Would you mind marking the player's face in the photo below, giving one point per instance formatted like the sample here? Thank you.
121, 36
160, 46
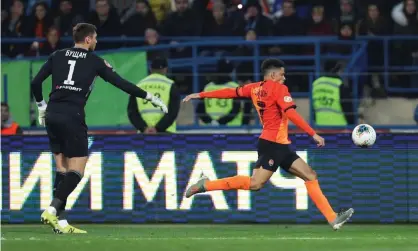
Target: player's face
92, 41
277, 75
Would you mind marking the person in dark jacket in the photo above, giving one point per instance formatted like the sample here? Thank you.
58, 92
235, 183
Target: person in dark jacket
67, 18
53, 42
143, 19
106, 19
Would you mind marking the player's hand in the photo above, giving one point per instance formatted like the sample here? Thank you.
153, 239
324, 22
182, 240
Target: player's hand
319, 140
191, 96
157, 103
41, 112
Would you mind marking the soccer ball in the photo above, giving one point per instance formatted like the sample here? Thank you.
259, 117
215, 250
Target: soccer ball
363, 135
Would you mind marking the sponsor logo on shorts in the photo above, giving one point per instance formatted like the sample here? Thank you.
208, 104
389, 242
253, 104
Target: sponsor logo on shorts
71, 88
287, 99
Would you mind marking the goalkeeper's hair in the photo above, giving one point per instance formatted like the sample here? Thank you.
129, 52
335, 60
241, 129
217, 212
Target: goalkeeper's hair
270, 64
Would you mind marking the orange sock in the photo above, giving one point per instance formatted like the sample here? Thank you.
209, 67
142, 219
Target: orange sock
320, 200
230, 183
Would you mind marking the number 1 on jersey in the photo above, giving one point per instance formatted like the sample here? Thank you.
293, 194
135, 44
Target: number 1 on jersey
69, 80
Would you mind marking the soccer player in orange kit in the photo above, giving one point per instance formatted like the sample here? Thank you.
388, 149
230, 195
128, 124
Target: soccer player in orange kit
275, 107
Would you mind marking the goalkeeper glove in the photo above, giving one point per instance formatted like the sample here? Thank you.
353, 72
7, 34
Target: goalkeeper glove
156, 102
41, 112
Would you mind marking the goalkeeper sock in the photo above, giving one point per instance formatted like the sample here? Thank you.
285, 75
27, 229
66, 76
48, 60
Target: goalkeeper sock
59, 177
65, 188
230, 183
320, 200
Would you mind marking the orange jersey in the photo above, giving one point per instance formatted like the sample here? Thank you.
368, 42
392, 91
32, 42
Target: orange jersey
271, 100
273, 103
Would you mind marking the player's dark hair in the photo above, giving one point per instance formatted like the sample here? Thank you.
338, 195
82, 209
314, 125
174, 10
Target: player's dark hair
83, 30
271, 63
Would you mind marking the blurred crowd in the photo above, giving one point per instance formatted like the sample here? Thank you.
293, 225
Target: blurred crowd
153, 20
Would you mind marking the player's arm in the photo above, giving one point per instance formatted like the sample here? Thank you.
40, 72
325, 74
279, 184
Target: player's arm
285, 102
36, 86
225, 93
106, 72
37, 81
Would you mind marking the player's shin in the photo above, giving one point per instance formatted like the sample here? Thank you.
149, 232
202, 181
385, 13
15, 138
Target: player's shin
59, 177
64, 189
230, 183
321, 202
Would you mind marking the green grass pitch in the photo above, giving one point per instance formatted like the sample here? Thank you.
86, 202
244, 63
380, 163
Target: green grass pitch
213, 238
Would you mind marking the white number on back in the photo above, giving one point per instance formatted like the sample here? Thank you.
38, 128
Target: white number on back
69, 80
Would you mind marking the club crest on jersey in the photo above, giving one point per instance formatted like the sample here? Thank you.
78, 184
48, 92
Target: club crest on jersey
271, 162
287, 99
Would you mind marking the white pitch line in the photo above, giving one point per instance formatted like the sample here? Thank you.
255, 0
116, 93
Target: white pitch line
218, 238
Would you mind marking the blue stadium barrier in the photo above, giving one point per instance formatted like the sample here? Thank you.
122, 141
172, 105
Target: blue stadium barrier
356, 61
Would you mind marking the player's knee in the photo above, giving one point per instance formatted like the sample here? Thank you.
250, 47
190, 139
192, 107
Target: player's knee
61, 169
77, 170
311, 175
256, 185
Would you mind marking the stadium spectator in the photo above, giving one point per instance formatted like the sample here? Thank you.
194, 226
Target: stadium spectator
245, 72
161, 9
245, 69
253, 19
38, 25
142, 19
289, 24
31, 4
40, 21
106, 19
398, 14
181, 22
407, 49
53, 42
374, 25
67, 18
318, 25
152, 38
8, 126
410, 12
13, 26
218, 23
221, 111
416, 114
302, 7
144, 116
347, 11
